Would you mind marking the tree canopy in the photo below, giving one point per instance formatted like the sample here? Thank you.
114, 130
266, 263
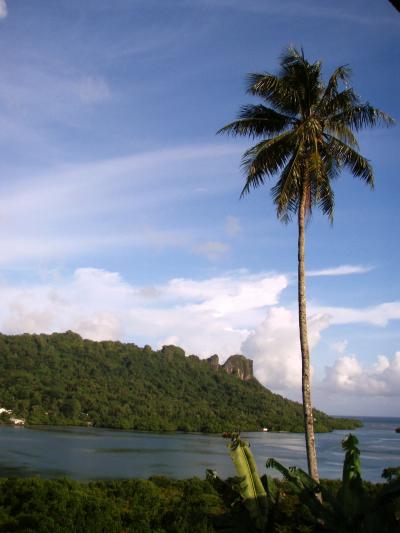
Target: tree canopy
62, 379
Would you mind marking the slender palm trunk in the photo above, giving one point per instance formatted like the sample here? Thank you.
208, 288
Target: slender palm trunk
305, 352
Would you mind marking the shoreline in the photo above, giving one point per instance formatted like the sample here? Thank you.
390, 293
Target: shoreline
172, 432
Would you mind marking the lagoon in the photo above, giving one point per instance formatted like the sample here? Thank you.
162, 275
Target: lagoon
93, 453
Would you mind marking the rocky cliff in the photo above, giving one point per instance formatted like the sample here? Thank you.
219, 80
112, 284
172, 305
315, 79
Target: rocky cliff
238, 365
213, 361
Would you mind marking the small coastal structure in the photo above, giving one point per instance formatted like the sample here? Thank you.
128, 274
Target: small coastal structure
12, 419
17, 421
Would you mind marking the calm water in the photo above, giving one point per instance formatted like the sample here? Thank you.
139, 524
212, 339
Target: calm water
89, 453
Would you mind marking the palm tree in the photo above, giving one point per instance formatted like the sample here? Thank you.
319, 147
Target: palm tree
307, 138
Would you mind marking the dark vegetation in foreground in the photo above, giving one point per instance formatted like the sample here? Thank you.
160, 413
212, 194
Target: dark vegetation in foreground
159, 505
62, 379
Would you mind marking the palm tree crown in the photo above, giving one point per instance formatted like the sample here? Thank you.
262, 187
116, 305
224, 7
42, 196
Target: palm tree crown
307, 133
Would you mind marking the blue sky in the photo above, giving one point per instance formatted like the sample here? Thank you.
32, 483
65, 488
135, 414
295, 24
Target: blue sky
120, 215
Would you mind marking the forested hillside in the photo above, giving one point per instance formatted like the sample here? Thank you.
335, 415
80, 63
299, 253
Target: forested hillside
62, 379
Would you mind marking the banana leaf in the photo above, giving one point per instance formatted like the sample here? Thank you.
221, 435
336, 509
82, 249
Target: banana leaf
250, 486
352, 464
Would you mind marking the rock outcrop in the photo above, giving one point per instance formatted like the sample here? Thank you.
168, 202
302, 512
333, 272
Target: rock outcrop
214, 361
170, 351
237, 365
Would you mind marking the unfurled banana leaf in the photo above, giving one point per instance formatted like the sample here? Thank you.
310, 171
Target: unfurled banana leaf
352, 496
250, 486
352, 463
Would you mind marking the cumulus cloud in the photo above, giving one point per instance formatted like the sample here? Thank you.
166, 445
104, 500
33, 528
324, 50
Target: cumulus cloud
274, 346
204, 317
348, 375
3, 9
228, 295
343, 270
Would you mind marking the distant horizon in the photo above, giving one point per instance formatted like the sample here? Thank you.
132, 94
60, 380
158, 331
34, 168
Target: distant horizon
367, 416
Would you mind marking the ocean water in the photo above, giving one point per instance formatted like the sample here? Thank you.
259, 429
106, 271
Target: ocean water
92, 453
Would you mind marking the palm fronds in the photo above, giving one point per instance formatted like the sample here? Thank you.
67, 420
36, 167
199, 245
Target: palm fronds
347, 156
265, 159
303, 111
257, 120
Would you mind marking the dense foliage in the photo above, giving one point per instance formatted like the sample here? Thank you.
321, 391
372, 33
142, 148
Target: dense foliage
157, 505
62, 379
162, 505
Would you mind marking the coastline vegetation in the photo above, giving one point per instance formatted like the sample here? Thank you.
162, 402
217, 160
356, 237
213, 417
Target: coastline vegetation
62, 379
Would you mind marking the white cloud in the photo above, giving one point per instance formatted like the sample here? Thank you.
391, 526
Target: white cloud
378, 315
228, 295
76, 207
62, 187
204, 317
348, 375
339, 346
232, 226
213, 250
3, 9
31, 93
274, 346
308, 8
37, 246
343, 270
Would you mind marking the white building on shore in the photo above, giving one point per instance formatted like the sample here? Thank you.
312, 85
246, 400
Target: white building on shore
15, 421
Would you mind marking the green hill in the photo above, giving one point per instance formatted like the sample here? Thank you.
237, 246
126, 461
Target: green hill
62, 379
